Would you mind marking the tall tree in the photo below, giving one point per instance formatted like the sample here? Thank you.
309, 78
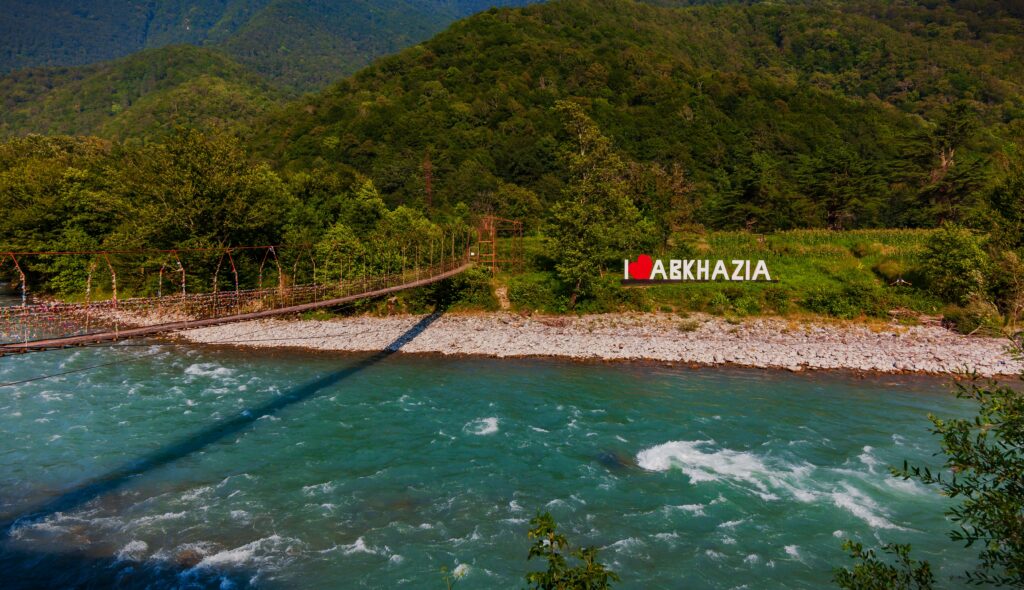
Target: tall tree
596, 221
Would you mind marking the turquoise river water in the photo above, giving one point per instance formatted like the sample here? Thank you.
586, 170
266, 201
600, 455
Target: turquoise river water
198, 467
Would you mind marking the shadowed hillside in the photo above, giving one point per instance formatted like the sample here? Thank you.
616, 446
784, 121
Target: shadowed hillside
298, 44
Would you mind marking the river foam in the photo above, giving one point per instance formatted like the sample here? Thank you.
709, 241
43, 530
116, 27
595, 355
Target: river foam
481, 426
701, 462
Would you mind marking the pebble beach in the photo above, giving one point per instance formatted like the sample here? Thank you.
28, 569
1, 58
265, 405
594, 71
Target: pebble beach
770, 343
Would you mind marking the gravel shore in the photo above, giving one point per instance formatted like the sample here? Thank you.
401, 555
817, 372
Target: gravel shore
698, 340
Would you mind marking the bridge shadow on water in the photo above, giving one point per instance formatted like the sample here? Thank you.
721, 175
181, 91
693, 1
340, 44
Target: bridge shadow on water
72, 570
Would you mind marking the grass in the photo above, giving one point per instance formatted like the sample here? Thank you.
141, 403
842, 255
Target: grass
840, 274
844, 274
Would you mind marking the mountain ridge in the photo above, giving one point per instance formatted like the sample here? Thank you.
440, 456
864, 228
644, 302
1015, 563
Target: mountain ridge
749, 101
300, 45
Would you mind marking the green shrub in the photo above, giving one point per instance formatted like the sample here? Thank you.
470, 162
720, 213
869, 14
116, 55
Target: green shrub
537, 292
848, 302
867, 299
977, 317
746, 305
719, 303
954, 264
469, 289
829, 302
778, 298
891, 270
608, 295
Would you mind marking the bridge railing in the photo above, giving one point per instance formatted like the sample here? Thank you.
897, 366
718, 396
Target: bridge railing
52, 319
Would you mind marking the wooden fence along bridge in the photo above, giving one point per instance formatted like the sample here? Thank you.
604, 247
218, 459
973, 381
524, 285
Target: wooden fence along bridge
185, 288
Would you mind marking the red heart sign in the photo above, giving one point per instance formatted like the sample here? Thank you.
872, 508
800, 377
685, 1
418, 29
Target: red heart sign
641, 269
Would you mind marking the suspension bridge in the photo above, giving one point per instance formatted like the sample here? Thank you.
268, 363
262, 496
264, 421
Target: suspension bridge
182, 289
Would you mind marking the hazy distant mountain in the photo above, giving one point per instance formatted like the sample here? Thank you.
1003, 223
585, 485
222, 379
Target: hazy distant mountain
297, 44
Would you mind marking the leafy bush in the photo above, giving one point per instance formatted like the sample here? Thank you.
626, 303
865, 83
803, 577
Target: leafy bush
983, 471
978, 316
553, 547
719, 303
608, 296
778, 298
829, 302
746, 305
848, 302
874, 574
471, 289
954, 264
537, 292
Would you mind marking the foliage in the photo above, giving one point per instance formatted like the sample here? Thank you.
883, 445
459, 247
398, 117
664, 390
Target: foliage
849, 301
872, 573
954, 264
197, 190
553, 548
468, 290
1007, 199
596, 222
760, 116
143, 96
614, 127
983, 472
297, 44
976, 317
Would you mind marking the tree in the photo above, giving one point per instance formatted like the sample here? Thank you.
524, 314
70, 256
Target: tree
338, 250
874, 574
954, 182
954, 264
1007, 200
843, 186
553, 547
596, 222
984, 470
197, 189
759, 197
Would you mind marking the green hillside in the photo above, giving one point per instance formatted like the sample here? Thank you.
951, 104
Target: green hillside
763, 116
298, 44
146, 94
611, 127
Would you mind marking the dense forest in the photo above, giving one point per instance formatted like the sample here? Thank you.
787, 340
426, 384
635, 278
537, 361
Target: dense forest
764, 116
609, 126
141, 96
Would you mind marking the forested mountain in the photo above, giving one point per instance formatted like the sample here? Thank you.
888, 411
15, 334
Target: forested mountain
763, 116
144, 95
298, 44
609, 126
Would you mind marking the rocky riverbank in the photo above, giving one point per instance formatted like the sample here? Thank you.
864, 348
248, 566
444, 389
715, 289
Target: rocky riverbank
699, 340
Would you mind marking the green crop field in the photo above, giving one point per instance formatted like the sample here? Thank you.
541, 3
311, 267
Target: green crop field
836, 273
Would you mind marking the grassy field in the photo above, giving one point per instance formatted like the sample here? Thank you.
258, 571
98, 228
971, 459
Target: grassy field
839, 274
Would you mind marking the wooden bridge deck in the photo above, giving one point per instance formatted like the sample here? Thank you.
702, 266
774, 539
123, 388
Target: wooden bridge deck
111, 336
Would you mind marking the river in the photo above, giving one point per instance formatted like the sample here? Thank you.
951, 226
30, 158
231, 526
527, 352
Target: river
208, 467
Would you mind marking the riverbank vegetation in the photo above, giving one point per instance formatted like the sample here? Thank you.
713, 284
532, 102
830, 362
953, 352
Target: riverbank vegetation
982, 473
